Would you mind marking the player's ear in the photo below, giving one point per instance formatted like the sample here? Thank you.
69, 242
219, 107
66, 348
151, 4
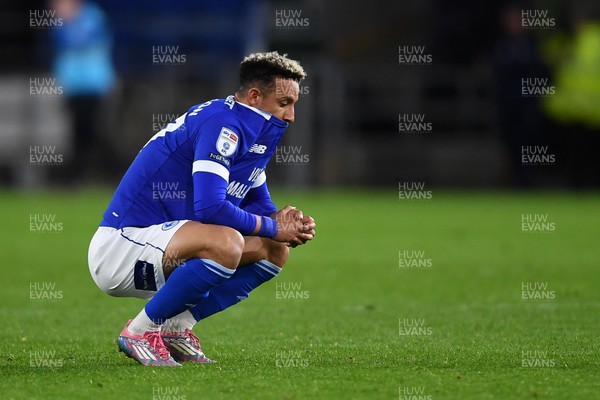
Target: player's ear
254, 96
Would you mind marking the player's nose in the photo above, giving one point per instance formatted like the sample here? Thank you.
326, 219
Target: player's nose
289, 116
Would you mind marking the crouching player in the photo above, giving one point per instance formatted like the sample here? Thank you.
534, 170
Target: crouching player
192, 227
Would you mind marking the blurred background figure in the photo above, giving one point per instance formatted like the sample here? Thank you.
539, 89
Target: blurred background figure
83, 67
575, 57
517, 57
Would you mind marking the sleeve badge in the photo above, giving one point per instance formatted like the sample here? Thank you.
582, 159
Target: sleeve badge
227, 142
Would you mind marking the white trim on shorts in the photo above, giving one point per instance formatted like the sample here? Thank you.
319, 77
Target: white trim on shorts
127, 262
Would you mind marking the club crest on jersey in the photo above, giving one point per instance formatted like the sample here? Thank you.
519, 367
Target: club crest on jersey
227, 142
168, 225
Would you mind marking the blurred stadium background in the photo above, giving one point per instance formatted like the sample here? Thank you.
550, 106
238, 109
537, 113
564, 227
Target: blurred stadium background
466, 91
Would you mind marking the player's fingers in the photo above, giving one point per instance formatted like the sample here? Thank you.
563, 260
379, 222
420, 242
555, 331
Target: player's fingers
305, 237
309, 226
287, 209
294, 243
298, 214
309, 220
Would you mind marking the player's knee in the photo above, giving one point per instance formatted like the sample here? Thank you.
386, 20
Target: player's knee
278, 253
228, 247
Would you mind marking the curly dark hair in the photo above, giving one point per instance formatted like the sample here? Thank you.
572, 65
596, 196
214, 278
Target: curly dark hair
261, 70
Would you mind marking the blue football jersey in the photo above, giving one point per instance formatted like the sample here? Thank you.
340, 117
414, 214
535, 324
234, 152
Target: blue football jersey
201, 167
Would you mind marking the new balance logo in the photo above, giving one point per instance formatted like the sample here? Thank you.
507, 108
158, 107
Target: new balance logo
258, 148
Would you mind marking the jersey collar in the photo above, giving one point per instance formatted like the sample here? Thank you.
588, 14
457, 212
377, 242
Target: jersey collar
268, 116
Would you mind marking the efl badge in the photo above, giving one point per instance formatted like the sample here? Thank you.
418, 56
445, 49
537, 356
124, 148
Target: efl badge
227, 142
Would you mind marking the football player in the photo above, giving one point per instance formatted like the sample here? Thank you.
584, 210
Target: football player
192, 227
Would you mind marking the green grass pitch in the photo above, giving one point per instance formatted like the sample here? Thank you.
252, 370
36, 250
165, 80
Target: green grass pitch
361, 323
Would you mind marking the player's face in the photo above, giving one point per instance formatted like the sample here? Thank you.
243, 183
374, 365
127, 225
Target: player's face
280, 102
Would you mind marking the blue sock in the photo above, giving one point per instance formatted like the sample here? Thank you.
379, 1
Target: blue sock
187, 285
237, 288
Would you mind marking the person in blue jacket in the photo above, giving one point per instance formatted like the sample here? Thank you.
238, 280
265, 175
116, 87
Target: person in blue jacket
83, 68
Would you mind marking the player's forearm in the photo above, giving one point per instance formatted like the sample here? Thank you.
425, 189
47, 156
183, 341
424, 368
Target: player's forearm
248, 224
258, 201
212, 207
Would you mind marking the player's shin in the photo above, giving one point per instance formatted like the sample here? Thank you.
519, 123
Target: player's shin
237, 288
188, 284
